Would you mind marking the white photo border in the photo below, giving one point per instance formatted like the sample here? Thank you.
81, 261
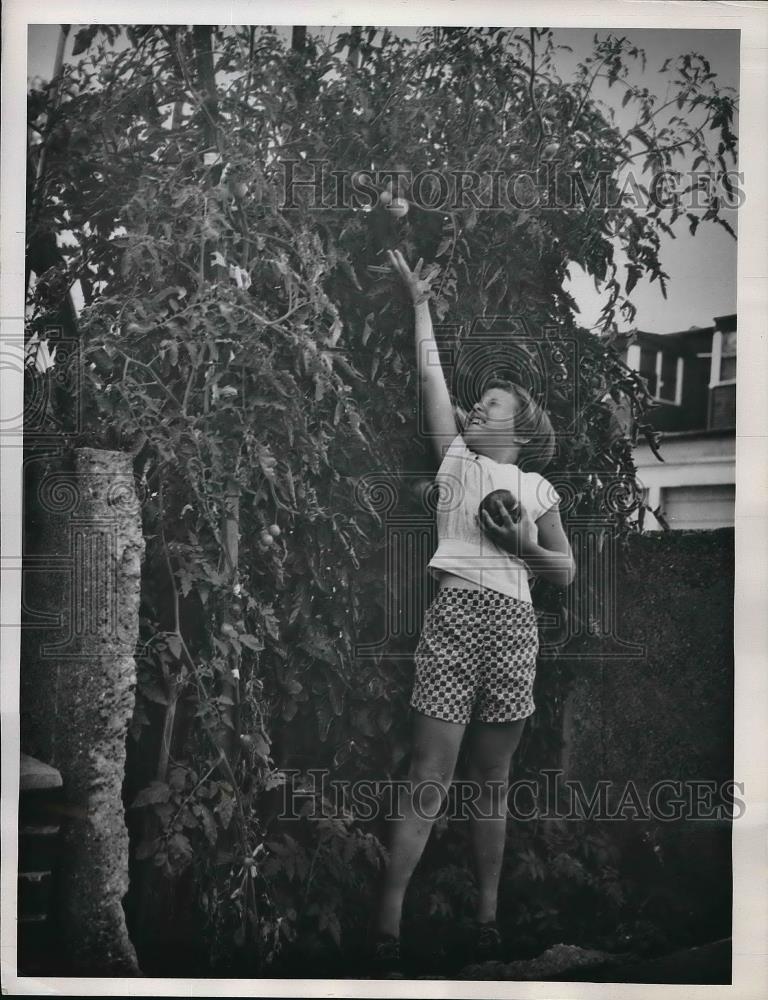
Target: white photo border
750, 907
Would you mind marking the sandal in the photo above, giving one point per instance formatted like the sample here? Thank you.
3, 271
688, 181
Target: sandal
487, 945
384, 955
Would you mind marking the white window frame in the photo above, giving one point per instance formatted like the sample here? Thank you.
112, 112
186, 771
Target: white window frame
717, 357
633, 360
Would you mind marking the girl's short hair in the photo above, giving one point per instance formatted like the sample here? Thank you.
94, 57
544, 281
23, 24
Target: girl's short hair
532, 422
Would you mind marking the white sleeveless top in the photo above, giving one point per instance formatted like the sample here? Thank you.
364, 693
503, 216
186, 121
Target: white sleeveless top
464, 548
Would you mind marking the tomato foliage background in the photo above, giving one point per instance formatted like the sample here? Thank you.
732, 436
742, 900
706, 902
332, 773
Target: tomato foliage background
260, 369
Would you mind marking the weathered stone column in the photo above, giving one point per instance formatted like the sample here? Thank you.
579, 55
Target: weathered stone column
78, 687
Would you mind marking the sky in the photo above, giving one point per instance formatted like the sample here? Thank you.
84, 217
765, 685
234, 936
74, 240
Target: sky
701, 269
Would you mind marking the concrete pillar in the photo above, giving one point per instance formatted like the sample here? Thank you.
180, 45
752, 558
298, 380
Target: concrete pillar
82, 577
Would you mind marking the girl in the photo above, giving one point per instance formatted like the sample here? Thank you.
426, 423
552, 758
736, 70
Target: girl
476, 657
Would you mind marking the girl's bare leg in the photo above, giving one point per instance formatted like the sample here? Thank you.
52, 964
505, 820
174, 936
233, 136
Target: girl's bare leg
490, 749
435, 750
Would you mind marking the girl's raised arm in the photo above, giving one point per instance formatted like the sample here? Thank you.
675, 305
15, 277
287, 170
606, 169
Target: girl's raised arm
434, 395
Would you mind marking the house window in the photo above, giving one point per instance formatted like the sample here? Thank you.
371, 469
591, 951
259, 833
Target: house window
728, 357
663, 373
728, 369
723, 358
699, 507
671, 377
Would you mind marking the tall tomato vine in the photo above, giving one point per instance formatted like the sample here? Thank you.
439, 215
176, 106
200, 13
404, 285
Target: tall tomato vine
258, 364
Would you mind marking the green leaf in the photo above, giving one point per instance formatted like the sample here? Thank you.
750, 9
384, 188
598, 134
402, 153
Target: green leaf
224, 809
290, 708
83, 39
367, 328
186, 581
147, 848
174, 644
153, 692
155, 792
251, 642
270, 621
209, 825
181, 844
261, 746
177, 779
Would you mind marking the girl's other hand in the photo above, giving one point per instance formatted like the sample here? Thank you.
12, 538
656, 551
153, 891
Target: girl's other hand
517, 538
418, 286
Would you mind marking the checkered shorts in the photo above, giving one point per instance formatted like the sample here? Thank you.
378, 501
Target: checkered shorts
476, 657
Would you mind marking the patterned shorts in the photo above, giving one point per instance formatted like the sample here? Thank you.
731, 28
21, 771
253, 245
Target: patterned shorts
476, 657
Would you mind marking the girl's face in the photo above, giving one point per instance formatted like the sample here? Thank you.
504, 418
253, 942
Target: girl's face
491, 421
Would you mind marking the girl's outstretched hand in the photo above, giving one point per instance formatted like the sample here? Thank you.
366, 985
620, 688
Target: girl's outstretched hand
418, 286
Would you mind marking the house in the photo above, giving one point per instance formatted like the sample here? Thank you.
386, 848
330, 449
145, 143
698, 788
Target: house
692, 376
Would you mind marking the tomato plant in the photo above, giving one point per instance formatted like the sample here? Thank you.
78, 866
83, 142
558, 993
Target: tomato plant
248, 348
